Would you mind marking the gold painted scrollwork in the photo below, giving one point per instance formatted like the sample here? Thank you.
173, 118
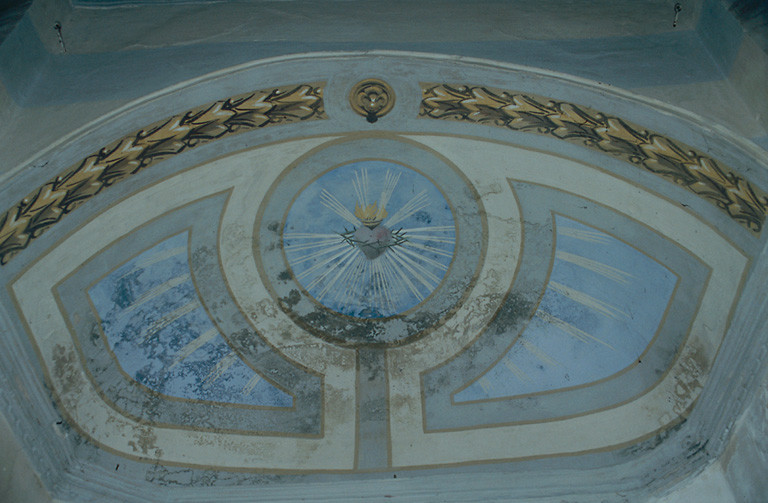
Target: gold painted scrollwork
670, 159
37, 212
372, 98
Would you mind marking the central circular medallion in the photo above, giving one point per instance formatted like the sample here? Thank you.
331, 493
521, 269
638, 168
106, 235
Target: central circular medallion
372, 241
369, 239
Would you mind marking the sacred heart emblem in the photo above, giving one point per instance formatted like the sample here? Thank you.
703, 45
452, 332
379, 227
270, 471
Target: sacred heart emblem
372, 241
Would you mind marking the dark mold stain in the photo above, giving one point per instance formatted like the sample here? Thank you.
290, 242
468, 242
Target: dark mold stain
292, 299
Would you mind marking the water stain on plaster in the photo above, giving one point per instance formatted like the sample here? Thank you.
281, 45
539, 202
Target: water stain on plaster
67, 372
688, 379
144, 441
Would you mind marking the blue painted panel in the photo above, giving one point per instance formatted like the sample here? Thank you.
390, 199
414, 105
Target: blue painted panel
601, 308
162, 337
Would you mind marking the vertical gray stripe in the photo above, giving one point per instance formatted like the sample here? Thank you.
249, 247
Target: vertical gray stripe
372, 409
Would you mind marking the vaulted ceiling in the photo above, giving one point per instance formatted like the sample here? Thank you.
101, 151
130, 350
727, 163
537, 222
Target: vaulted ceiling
321, 259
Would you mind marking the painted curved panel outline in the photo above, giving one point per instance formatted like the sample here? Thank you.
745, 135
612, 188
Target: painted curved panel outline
601, 308
647, 413
329, 448
162, 337
42, 208
670, 159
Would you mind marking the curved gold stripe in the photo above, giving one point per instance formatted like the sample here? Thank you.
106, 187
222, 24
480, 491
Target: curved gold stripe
670, 159
34, 214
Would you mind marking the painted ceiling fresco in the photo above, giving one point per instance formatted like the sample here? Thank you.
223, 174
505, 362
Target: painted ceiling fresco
431, 293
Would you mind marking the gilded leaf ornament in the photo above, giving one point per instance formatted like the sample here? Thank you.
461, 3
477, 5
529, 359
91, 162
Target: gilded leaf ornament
742, 201
37, 212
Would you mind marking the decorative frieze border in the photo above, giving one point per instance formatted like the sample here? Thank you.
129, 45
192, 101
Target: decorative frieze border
33, 215
42, 208
670, 159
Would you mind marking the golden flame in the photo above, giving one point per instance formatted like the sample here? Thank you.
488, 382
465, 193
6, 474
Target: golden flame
371, 214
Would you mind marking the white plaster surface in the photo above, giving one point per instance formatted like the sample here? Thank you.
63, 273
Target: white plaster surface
18, 481
709, 486
720, 101
336, 22
749, 75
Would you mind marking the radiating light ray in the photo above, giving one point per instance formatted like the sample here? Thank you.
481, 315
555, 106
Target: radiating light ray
384, 285
364, 178
401, 260
609, 272
415, 259
343, 256
291, 248
377, 294
367, 288
296, 260
396, 270
418, 202
390, 280
584, 235
350, 269
169, 318
218, 370
349, 275
437, 228
365, 186
428, 248
329, 201
485, 384
538, 353
406, 255
360, 189
423, 258
342, 266
390, 182
401, 277
517, 371
421, 237
324, 263
570, 329
308, 235
156, 292
390, 273
155, 258
357, 279
380, 287
588, 301
421, 273
194, 345
252, 382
